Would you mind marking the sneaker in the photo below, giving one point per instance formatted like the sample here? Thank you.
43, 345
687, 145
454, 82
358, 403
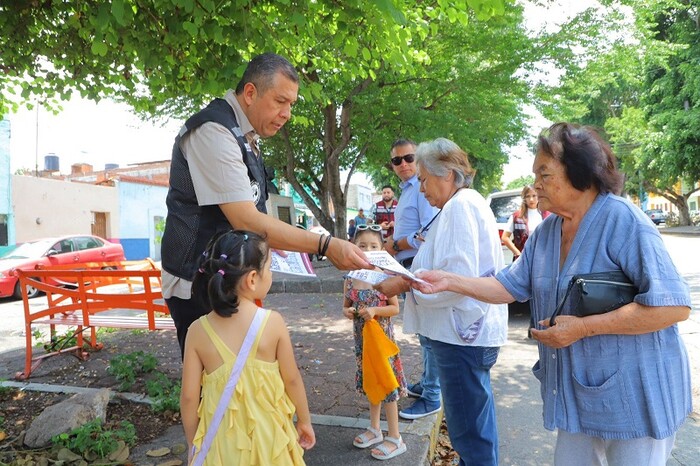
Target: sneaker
419, 409
415, 389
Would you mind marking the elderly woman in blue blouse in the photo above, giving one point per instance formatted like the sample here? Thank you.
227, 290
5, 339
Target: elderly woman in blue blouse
615, 386
465, 334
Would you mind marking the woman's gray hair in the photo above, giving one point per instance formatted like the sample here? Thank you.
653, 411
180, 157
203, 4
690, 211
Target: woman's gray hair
442, 156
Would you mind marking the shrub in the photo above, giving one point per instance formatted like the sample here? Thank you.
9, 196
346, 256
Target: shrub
93, 440
126, 367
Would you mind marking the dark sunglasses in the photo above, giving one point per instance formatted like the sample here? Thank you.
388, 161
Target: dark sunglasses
372, 227
409, 158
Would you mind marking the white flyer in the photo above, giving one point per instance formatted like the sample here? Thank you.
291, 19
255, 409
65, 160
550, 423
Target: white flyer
369, 276
295, 263
386, 262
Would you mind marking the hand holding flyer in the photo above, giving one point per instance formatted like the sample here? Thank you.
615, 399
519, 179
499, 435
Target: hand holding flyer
387, 263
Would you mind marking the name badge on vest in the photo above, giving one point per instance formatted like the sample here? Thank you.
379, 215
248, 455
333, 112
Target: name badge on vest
256, 191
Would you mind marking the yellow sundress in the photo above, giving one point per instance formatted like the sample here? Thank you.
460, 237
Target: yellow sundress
257, 428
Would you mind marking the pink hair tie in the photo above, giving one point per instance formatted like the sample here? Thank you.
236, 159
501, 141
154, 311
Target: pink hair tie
221, 272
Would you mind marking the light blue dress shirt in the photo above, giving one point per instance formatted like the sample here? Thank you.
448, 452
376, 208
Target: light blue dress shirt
412, 213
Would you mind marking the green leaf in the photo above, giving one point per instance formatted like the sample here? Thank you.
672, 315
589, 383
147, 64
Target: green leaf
99, 48
118, 11
191, 28
350, 48
387, 8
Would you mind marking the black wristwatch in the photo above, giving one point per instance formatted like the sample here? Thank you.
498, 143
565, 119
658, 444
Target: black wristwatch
395, 246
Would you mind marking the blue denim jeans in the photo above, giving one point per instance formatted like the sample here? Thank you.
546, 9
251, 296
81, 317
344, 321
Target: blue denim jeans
429, 380
468, 400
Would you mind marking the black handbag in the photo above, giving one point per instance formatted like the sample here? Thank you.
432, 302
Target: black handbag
597, 293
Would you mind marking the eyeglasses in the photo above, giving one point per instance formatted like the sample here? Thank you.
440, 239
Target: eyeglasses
409, 158
372, 227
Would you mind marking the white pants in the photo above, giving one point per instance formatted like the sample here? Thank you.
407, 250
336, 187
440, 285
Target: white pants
584, 450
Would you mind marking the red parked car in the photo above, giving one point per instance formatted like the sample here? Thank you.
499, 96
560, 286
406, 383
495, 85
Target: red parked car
77, 249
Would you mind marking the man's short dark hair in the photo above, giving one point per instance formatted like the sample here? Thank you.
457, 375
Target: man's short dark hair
401, 142
387, 186
262, 69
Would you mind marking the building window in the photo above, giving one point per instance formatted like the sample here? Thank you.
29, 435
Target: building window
3, 230
284, 214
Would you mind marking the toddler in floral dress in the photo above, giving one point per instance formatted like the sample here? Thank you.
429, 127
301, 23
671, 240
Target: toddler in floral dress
361, 304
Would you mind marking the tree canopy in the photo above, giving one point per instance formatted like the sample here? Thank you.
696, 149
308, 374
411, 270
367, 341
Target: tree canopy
371, 71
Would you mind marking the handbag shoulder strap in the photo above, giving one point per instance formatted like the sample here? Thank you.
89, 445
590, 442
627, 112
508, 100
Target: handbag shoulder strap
250, 339
560, 307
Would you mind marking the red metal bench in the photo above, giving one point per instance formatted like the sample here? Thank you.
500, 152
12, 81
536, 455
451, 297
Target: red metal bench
111, 294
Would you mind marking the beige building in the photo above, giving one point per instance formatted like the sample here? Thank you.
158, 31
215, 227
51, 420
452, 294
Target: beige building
46, 207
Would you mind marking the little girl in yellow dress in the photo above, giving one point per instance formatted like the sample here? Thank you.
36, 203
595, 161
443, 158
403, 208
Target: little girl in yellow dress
257, 427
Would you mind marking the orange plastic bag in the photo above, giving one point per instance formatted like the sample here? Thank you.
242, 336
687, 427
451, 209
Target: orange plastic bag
378, 379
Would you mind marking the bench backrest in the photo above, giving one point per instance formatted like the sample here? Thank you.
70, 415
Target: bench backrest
129, 285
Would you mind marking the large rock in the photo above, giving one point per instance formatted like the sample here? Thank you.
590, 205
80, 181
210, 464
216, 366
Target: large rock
67, 415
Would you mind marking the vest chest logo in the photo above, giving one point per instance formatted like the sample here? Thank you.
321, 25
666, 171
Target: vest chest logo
255, 186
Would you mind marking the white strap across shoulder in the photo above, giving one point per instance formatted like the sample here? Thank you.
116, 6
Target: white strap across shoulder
241, 359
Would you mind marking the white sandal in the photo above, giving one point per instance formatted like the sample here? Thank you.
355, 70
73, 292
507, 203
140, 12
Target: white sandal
385, 453
366, 441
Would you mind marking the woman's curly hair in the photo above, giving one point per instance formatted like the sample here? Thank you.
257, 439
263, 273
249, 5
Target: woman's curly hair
588, 159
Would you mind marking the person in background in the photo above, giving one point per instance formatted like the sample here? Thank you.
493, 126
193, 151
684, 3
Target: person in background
361, 304
615, 386
413, 213
523, 222
465, 335
218, 181
520, 226
235, 273
360, 218
351, 229
384, 211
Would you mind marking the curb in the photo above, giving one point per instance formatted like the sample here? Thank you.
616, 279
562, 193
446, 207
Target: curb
688, 232
282, 284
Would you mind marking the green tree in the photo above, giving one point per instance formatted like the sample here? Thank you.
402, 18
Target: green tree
645, 92
670, 153
370, 70
521, 182
168, 57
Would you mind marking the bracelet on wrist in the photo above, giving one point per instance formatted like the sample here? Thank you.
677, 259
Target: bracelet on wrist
326, 244
320, 241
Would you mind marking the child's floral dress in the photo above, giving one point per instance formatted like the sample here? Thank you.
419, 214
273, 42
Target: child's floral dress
373, 298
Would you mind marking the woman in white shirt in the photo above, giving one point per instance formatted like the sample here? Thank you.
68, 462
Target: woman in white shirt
523, 222
465, 334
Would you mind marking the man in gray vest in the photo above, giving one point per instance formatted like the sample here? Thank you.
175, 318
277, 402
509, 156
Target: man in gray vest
218, 182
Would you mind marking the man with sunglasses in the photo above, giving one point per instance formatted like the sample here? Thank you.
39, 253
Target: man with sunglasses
411, 218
